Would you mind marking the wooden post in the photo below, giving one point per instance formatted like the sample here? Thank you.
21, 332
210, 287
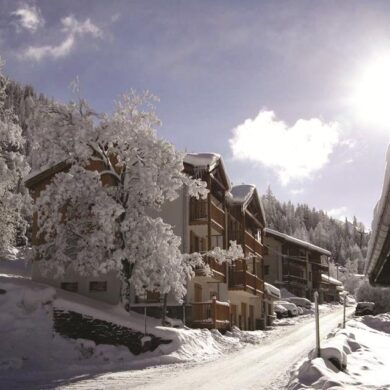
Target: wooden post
317, 322
345, 304
145, 320
230, 315
164, 309
214, 312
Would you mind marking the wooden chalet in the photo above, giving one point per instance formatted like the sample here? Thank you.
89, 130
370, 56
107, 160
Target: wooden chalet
294, 264
207, 229
246, 223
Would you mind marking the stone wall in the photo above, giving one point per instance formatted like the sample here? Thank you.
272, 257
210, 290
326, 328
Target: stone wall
77, 326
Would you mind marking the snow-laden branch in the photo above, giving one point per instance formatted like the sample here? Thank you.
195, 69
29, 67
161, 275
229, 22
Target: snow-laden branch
110, 227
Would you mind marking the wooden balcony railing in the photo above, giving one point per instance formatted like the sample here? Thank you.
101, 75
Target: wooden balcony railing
296, 278
199, 212
218, 269
241, 279
253, 244
212, 315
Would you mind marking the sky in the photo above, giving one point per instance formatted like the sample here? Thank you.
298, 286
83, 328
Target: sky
293, 95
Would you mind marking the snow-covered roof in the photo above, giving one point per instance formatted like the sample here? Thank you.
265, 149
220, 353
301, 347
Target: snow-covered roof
206, 161
380, 235
329, 279
272, 290
45, 171
203, 160
242, 194
297, 241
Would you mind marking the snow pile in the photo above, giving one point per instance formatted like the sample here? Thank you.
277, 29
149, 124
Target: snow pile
272, 290
381, 322
30, 343
32, 351
355, 357
249, 337
12, 261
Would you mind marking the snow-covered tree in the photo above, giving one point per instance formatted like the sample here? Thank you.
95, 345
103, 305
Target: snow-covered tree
379, 295
96, 217
13, 167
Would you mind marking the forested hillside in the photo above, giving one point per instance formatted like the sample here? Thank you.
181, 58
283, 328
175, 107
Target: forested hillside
24, 102
346, 240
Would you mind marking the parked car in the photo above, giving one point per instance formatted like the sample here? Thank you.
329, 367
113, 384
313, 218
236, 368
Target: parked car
364, 308
280, 311
302, 302
291, 308
300, 310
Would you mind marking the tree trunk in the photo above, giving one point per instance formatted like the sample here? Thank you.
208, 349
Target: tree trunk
164, 309
127, 269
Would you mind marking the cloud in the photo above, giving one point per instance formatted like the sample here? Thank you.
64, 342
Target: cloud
28, 18
73, 29
294, 152
297, 191
338, 213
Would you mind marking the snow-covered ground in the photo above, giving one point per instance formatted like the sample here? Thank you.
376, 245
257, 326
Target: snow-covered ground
356, 357
33, 356
259, 366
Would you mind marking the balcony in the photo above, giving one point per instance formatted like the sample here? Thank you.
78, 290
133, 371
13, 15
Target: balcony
241, 279
211, 315
295, 278
199, 213
252, 244
218, 269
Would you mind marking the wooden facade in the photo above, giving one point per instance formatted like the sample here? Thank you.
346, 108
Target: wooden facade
295, 265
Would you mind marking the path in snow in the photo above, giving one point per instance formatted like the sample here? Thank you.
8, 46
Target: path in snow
266, 366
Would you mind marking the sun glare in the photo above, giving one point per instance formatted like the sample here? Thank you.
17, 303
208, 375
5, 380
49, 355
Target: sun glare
371, 99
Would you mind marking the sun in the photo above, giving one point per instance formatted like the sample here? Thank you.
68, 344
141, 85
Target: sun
371, 98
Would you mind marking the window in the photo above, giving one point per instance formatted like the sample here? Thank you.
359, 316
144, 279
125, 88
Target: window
98, 286
70, 286
266, 269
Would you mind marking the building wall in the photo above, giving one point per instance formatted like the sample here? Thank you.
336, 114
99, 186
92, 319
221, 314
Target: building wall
273, 260
238, 298
111, 295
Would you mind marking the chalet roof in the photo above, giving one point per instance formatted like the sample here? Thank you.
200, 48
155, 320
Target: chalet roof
330, 280
44, 172
243, 194
304, 244
378, 254
207, 162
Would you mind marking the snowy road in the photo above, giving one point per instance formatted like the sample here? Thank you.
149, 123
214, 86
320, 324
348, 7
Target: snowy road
266, 366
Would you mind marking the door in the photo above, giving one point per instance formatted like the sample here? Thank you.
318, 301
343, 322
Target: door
197, 292
251, 317
233, 315
243, 316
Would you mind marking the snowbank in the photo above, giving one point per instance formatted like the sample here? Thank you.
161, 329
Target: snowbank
355, 357
32, 352
12, 261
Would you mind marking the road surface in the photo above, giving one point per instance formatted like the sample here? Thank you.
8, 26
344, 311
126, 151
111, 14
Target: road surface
266, 366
